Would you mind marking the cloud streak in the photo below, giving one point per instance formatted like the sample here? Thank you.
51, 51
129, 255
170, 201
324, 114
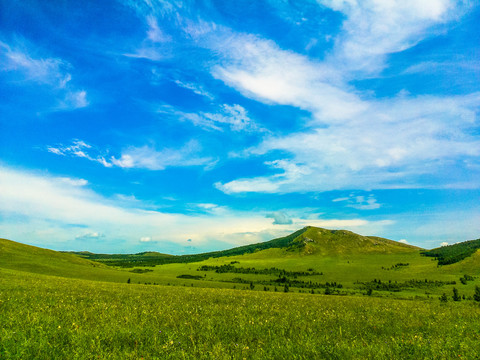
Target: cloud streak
232, 117
46, 71
144, 157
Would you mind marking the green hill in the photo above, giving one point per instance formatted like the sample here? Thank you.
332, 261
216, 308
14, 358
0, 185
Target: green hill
329, 242
21, 257
154, 258
451, 254
311, 259
307, 241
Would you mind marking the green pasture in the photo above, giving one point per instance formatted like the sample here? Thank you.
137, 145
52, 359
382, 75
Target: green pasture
46, 317
355, 272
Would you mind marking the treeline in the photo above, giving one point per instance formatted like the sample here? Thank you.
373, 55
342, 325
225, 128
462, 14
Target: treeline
228, 268
284, 281
395, 286
147, 259
396, 266
451, 254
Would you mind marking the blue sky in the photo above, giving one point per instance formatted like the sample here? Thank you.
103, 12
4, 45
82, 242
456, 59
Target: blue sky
189, 126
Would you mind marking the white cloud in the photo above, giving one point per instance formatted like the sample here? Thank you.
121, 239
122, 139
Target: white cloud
403, 241
146, 239
78, 148
43, 210
259, 69
392, 142
373, 29
444, 243
89, 236
280, 218
53, 72
154, 33
75, 100
138, 157
352, 140
196, 88
148, 158
360, 202
74, 182
235, 117
152, 47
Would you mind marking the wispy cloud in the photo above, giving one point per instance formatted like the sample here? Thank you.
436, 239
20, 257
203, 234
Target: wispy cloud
196, 88
152, 47
360, 202
144, 157
80, 149
149, 158
89, 236
51, 71
233, 117
47, 71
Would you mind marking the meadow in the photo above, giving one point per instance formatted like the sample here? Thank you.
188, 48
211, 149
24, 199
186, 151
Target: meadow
320, 295
47, 317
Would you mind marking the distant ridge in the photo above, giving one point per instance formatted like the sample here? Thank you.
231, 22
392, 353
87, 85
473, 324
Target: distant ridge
452, 254
306, 241
141, 259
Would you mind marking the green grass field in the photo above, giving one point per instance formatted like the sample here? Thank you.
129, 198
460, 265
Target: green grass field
45, 317
383, 303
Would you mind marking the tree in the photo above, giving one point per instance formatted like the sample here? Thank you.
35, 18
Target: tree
455, 296
128, 281
476, 295
286, 289
443, 298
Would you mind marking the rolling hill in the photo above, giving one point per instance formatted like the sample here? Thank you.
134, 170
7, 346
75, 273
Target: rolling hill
26, 258
307, 241
451, 254
310, 258
315, 240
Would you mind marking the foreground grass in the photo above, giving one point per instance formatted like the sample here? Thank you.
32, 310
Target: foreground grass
46, 317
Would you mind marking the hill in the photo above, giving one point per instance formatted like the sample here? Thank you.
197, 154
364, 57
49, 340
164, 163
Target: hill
311, 259
154, 258
307, 241
27, 258
451, 254
329, 242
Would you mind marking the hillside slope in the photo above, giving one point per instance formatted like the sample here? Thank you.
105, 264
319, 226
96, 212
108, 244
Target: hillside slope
452, 254
336, 242
154, 258
21, 257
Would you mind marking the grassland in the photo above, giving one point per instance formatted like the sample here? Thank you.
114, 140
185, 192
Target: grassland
268, 303
45, 317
